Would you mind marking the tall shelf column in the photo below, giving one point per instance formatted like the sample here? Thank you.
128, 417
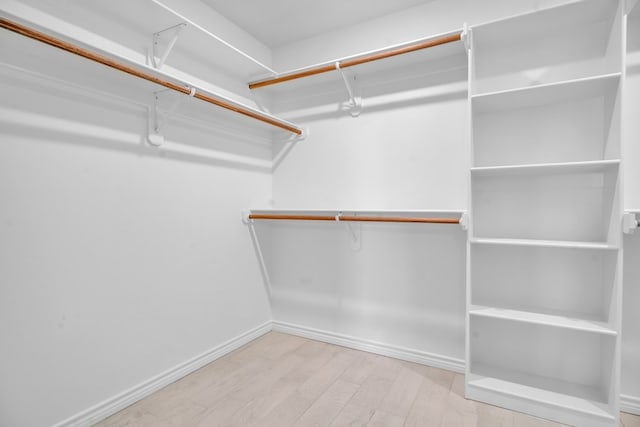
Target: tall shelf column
544, 251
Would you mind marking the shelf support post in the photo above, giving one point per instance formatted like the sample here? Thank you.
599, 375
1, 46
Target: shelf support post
158, 58
355, 232
355, 102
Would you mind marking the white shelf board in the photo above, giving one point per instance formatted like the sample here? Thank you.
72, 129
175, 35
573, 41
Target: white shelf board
554, 19
92, 74
397, 63
544, 243
596, 166
207, 44
574, 397
143, 18
542, 319
531, 96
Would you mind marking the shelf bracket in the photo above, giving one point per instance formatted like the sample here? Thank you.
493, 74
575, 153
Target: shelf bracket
355, 102
244, 215
629, 223
287, 146
158, 115
355, 230
158, 58
464, 221
464, 36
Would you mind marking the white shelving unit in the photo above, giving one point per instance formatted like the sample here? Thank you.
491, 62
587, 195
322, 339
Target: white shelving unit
556, 122
544, 254
133, 24
580, 40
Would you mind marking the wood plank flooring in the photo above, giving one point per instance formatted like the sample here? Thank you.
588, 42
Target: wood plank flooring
282, 380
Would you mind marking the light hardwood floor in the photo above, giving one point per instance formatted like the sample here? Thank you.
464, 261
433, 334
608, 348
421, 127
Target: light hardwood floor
282, 380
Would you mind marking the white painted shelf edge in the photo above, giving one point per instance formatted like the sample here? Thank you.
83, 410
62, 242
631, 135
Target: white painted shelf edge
555, 85
542, 319
203, 30
544, 168
546, 397
544, 243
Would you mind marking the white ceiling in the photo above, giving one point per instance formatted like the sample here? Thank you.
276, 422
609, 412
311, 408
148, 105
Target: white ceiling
279, 22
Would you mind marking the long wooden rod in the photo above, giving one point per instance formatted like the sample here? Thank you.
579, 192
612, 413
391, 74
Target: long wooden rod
356, 61
68, 47
354, 218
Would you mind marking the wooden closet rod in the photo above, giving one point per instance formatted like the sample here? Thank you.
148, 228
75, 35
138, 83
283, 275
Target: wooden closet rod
354, 218
187, 90
356, 61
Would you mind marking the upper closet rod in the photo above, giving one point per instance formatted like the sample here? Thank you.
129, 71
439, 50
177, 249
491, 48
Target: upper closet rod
355, 218
52, 41
357, 61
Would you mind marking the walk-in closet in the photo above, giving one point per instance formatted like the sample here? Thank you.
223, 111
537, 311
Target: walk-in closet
339, 213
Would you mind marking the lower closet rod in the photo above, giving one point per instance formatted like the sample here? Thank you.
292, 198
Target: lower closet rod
354, 218
68, 47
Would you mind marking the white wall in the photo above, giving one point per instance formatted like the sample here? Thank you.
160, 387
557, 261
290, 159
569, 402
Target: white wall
407, 149
117, 261
401, 286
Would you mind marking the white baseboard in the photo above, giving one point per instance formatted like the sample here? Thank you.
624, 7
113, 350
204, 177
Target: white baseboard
630, 404
435, 360
112, 405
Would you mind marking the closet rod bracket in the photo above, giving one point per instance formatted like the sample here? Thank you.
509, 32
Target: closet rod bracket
158, 58
464, 221
159, 115
355, 230
464, 36
355, 102
629, 223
